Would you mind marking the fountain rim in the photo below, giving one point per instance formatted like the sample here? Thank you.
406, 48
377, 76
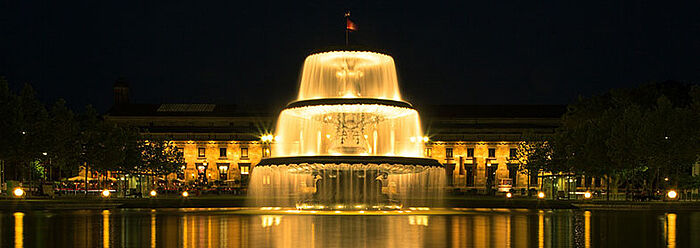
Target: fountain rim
329, 159
348, 101
346, 50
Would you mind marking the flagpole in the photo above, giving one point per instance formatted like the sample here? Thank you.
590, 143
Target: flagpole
347, 32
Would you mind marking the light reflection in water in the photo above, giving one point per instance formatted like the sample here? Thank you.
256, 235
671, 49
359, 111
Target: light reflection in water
184, 232
153, 229
587, 228
671, 229
540, 229
421, 220
105, 228
19, 229
483, 228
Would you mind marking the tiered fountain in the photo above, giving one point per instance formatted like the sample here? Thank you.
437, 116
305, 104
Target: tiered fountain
348, 142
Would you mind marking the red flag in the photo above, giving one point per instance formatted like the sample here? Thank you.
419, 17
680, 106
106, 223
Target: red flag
350, 25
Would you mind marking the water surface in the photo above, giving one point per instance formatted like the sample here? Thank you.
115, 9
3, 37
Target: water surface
229, 228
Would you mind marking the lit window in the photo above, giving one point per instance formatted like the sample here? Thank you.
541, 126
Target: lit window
244, 152
492, 152
245, 169
428, 152
470, 152
222, 152
223, 171
448, 152
266, 152
201, 152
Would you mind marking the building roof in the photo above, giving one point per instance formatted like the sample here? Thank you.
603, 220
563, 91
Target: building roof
492, 111
429, 112
188, 110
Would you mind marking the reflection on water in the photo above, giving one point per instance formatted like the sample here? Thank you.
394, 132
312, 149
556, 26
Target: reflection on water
587, 226
671, 230
19, 229
105, 228
222, 228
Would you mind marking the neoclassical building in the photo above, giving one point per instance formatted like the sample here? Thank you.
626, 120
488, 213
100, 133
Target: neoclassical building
476, 143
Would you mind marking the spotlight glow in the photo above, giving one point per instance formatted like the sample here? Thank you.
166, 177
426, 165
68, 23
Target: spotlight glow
540, 195
18, 192
105, 193
672, 194
185, 194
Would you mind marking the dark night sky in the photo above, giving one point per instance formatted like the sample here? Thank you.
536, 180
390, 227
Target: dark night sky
479, 52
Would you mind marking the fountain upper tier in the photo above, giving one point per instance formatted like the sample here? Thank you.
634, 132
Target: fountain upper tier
349, 104
349, 74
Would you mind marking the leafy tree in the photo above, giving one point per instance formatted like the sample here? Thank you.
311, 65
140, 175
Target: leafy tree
9, 127
162, 157
535, 155
632, 136
64, 152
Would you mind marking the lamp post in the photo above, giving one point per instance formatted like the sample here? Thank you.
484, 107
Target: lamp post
266, 140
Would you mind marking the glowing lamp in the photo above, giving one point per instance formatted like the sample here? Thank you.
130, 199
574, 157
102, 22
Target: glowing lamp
540, 195
587, 195
509, 195
426, 139
672, 194
105, 193
185, 194
18, 192
153, 193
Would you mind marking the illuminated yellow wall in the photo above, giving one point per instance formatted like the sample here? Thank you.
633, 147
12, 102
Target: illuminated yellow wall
211, 158
459, 149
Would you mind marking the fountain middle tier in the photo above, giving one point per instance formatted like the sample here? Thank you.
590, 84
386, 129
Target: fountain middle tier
347, 182
370, 127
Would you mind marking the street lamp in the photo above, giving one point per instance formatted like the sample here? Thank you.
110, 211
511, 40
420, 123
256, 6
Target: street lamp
185, 194
672, 194
587, 195
509, 195
540, 195
105, 193
153, 193
18, 192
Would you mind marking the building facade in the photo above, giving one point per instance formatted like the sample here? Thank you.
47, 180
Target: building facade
222, 143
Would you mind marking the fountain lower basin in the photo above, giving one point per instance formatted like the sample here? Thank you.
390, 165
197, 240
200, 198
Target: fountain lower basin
347, 182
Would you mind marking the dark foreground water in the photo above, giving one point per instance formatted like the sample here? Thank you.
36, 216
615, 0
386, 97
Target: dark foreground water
229, 228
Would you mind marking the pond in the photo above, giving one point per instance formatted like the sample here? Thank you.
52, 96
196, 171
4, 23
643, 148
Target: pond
238, 228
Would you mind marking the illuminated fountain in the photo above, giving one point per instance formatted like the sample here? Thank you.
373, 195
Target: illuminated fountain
348, 142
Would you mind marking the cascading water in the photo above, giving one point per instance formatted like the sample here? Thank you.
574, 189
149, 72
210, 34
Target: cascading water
349, 141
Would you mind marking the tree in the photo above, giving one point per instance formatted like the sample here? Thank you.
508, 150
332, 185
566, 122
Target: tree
9, 127
162, 157
33, 120
535, 155
64, 137
632, 136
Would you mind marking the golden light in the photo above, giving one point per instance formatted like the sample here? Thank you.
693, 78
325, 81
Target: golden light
672, 194
509, 195
540, 195
105, 193
426, 139
18, 192
153, 193
185, 194
587, 195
